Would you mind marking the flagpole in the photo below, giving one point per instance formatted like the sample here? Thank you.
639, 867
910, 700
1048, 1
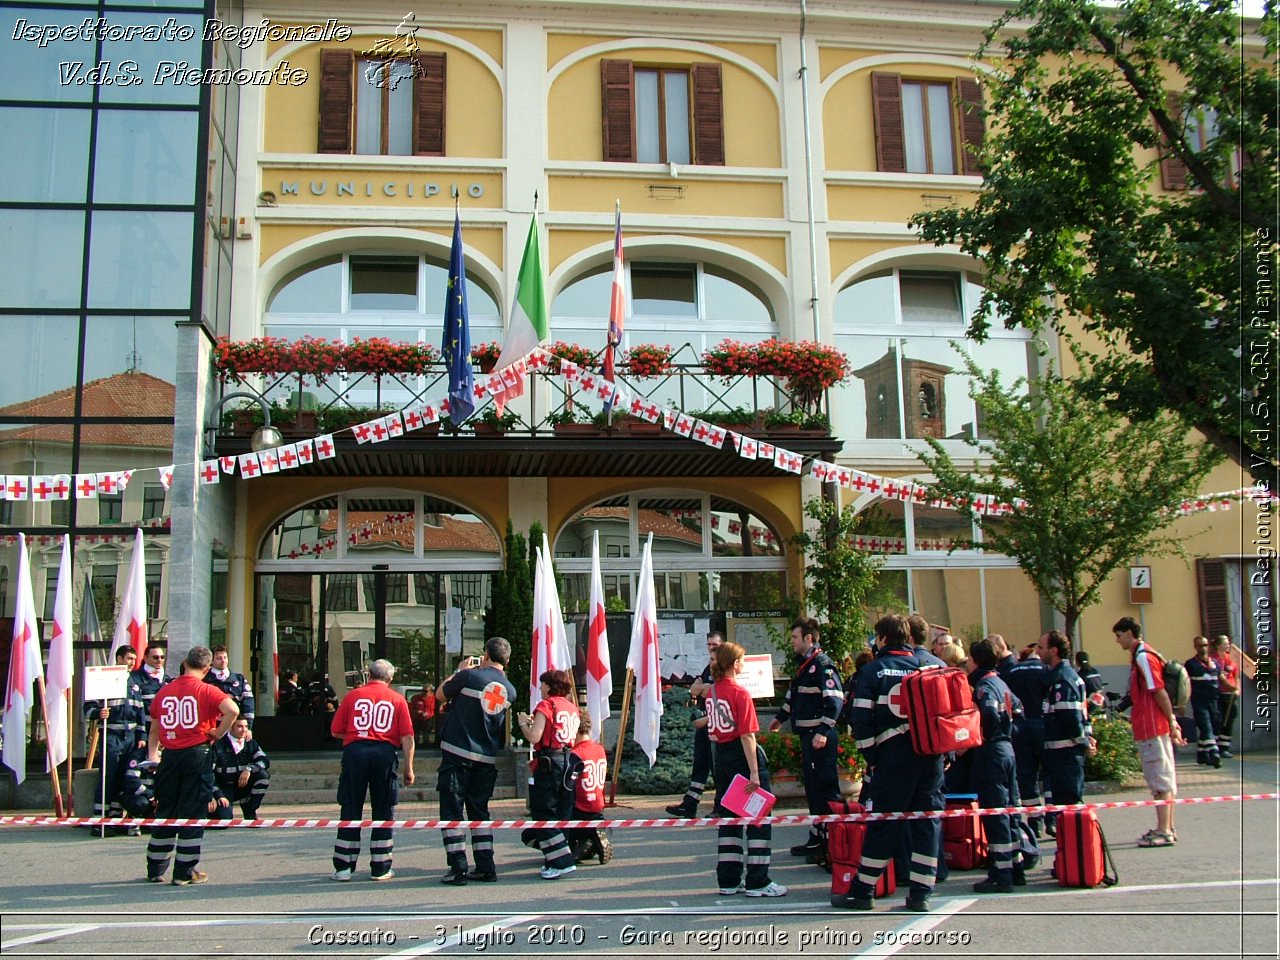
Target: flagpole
622, 734
48, 746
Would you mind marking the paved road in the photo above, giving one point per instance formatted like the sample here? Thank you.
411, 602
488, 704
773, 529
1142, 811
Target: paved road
1213, 895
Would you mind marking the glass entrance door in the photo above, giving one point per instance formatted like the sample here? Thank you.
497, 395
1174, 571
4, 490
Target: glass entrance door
335, 624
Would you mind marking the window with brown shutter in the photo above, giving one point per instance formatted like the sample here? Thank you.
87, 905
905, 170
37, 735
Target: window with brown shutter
382, 105
655, 114
972, 128
335, 101
1215, 613
708, 115
1173, 172
616, 80
924, 126
886, 108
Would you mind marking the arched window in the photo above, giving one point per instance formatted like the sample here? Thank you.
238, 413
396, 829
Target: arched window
374, 573
361, 295
669, 302
709, 553
897, 326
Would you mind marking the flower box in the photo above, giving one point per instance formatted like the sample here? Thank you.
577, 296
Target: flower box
577, 429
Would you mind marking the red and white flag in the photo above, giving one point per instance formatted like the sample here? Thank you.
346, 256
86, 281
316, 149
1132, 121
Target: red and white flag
166, 476
57, 693
550, 643
86, 486
325, 450
24, 669
642, 659
599, 671
228, 464
131, 624
209, 472
617, 304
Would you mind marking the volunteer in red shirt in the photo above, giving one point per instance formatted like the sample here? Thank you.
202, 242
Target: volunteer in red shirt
371, 722
588, 765
1155, 728
187, 715
552, 730
732, 726
1228, 693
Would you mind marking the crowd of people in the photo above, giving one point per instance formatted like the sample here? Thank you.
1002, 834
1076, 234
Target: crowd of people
183, 748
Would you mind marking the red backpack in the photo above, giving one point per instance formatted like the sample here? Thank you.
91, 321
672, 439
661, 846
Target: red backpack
938, 705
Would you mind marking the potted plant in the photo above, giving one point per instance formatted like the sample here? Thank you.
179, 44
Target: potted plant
485, 355
574, 353
739, 419
808, 367
797, 421
491, 422
649, 360
567, 420
730, 359
783, 752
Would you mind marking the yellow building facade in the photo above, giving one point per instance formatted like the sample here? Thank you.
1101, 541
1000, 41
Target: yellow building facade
765, 160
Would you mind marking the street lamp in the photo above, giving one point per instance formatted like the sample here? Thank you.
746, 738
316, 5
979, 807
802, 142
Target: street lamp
264, 438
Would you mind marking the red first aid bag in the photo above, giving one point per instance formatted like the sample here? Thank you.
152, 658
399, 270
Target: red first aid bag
938, 703
844, 849
1082, 857
964, 841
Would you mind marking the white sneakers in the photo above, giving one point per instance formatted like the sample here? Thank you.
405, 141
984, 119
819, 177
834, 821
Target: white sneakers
389, 875
343, 876
772, 890
730, 891
552, 873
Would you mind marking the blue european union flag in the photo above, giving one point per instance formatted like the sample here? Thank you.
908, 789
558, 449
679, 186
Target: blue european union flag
456, 346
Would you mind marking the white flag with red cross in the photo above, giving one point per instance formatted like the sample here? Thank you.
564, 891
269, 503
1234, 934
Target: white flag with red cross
209, 472
132, 624
24, 669
642, 659
599, 670
166, 476
57, 694
86, 486
325, 450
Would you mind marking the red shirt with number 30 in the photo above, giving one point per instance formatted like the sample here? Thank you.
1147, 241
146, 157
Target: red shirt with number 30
373, 713
187, 711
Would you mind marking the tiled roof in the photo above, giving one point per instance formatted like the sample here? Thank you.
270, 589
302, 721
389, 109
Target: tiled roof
120, 395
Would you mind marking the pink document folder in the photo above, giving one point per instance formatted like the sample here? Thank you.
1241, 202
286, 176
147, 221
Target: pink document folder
744, 804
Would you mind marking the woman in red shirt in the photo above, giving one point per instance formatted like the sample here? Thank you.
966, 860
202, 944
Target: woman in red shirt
552, 730
732, 726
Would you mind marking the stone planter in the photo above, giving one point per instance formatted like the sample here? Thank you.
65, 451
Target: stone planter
786, 786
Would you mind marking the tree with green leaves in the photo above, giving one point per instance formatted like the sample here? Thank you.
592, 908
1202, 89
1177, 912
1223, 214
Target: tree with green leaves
1092, 490
842, 582
1093, 111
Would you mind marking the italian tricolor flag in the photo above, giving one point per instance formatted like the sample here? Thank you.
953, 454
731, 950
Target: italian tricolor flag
528, 326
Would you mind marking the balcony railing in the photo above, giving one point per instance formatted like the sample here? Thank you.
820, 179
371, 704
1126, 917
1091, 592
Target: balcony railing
332, 402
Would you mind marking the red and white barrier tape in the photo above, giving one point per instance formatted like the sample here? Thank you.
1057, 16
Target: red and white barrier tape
437, 824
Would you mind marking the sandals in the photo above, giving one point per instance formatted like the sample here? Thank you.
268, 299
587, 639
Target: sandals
1157, 838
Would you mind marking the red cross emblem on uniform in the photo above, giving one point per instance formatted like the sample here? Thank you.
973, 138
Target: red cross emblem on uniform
493, 698
894, 701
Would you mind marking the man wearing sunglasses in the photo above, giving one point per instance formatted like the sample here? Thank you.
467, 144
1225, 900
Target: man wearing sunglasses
144, 684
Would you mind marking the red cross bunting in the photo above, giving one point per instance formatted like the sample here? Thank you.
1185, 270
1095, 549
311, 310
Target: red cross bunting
209, 472
61, 488
637, 405
444, 405
605, 390
651, 412
587, 381
17, 488
270, 462
749, 448
379, 432
429, 414
479, 391
874, 485
891, 489
412, 420
683, 425
85, 488
701, 432
304, 452
493, 698
248, 467
228, 464
859, 483
42, 490
395, 427
288, 459
324, 447
362, 432
107, 483
717, 436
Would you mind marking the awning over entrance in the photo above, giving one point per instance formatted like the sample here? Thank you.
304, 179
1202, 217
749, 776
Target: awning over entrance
588, 455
